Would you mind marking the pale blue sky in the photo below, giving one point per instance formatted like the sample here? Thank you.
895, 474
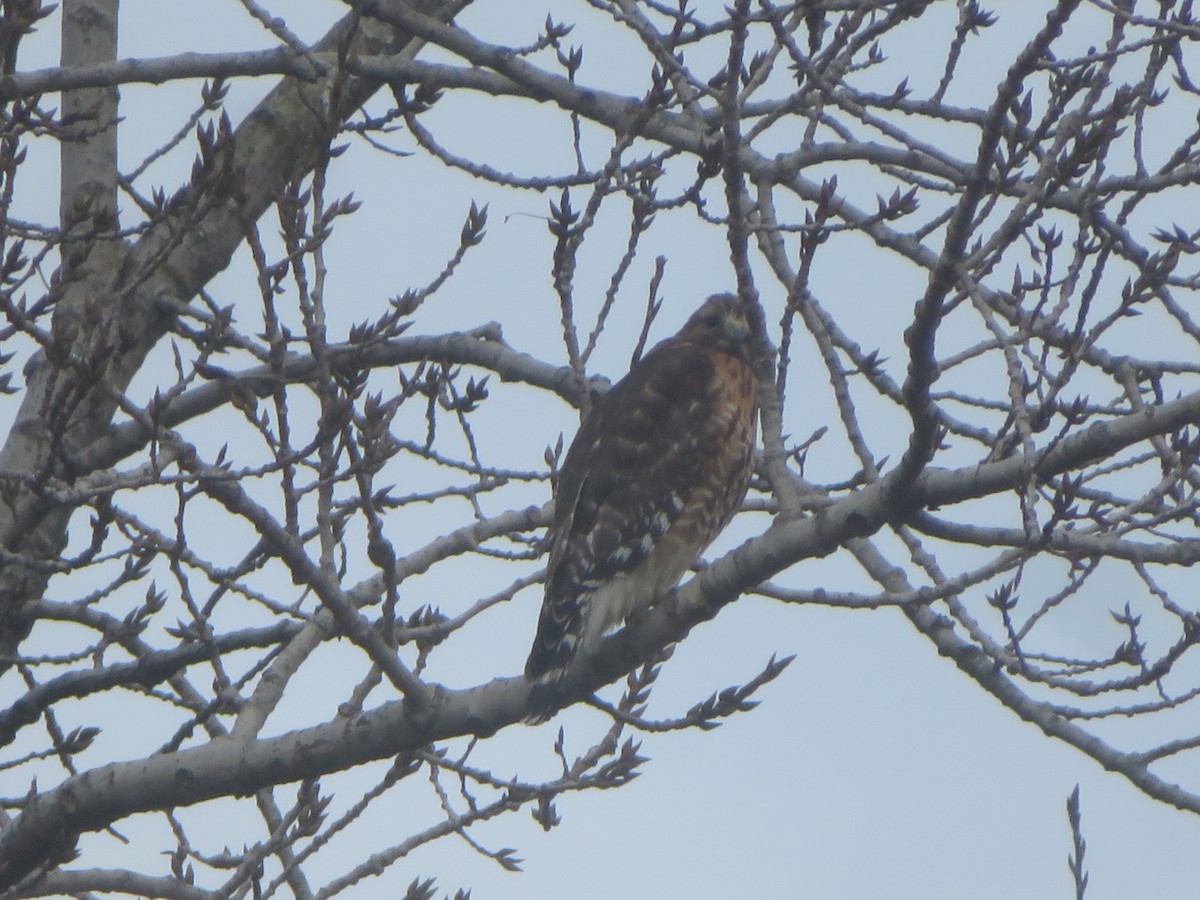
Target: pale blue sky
872, 769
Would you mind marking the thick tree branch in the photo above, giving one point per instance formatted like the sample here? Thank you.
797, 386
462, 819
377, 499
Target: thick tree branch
226, 767
273, 146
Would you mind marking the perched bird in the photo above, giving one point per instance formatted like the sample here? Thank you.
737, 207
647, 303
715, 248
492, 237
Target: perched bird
656, 471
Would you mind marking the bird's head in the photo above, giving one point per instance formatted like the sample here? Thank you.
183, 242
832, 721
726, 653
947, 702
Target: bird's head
721, 323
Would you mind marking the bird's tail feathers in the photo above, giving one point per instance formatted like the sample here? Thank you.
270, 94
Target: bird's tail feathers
545, 696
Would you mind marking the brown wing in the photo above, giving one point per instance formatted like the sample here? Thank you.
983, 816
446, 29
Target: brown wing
666, 450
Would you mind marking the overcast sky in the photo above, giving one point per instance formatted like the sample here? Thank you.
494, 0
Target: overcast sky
873, 768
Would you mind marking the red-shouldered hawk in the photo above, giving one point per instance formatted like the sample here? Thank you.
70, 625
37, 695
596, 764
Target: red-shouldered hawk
655, 472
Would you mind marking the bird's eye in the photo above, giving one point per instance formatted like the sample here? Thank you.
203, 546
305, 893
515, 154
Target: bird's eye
712, 320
